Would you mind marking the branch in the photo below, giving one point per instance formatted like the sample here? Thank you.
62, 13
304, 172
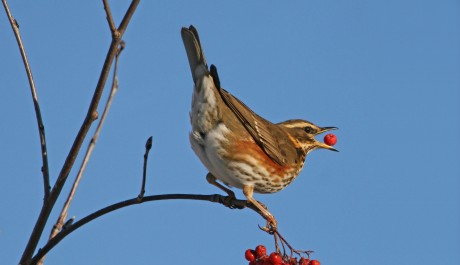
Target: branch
148, 146
109, 16
239, 204
41, 128
63, 215
90, 117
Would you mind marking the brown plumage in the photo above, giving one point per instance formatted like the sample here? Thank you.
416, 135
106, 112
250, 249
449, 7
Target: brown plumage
237, 146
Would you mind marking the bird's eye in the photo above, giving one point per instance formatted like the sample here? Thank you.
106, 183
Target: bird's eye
309, 130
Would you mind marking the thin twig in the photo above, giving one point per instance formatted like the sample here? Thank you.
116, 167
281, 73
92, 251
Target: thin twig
109, 16
41, 127
276, 234
211, 198
148, 146
129, 13
277, 247
64, 212
75, 149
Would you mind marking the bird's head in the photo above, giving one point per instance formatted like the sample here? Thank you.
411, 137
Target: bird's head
302, 134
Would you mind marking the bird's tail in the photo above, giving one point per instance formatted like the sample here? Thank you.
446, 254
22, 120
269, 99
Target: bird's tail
194, 51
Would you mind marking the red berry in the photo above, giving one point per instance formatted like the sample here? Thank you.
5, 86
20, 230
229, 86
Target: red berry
260, 251
303, 261
250, 255
293, 261
276, 258
315, 262
330, 139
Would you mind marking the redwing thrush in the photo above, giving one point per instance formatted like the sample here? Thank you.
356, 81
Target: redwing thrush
237, 146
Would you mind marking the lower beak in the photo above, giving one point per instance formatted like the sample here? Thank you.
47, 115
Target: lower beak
325, 146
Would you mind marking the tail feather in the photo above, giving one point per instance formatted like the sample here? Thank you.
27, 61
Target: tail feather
193, 48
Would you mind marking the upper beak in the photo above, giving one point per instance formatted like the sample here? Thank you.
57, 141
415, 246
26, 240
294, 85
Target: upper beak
325, 129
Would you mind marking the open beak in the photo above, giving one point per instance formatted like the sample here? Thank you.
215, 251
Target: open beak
323, 145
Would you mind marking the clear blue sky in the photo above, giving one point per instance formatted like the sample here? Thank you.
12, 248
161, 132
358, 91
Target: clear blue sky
385, 72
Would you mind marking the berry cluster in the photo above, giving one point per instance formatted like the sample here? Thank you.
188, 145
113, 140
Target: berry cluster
258, 256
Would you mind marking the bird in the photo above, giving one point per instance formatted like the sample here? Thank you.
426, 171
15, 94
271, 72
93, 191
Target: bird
238, 147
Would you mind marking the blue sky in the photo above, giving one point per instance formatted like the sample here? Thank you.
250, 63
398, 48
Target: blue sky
385, 72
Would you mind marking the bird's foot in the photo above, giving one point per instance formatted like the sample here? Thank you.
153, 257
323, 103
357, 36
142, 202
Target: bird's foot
230, 201
271, 226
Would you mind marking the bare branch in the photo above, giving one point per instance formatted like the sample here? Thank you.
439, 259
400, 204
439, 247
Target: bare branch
148, 146
75, 149
109, 16
239, 204
63, 215
41, 127
124, 23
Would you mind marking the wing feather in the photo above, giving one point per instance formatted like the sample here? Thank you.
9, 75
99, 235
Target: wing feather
272, 139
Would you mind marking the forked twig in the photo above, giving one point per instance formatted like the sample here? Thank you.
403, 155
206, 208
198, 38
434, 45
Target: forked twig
108, 12
64, 212
41, 127
75, 149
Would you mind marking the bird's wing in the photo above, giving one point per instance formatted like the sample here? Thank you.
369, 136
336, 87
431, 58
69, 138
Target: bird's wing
272, 139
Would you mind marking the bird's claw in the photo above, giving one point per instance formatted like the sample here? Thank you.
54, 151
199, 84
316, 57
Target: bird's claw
229, 202
268, 229
271, 226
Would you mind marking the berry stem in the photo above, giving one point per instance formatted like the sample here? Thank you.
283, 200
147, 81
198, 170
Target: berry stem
277, 235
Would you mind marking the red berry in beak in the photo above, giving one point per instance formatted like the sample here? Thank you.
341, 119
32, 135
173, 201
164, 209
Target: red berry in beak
330, 139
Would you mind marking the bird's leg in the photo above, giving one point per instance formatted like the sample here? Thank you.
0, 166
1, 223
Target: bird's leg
231, 195
271, 221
